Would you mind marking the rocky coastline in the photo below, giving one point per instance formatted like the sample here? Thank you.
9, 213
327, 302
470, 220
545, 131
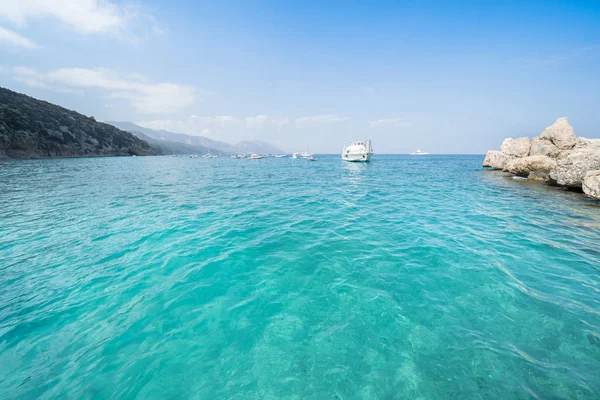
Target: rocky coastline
32, 128
557, 157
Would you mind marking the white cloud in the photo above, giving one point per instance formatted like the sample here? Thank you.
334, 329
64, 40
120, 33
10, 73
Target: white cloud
14, 39
397, 122
320, 119
83, 16
266, 121
194, 124
219, 120
139, 92
163, 124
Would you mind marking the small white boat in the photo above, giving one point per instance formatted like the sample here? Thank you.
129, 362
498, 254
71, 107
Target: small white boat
311, 158
235, 156
279, 155
360, 151
419, 153
256, 157
296, 155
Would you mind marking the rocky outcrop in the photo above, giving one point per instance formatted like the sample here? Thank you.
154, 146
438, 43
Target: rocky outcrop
572, 166
31, 128
535, 167
557, 156
516, 147
543, 147
496, 159
583, 143
561, 134
591, 184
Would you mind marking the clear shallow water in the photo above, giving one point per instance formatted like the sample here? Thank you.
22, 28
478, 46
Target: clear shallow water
408, 277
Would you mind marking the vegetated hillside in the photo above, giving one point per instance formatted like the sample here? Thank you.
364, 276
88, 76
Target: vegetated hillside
166, 139
32, 128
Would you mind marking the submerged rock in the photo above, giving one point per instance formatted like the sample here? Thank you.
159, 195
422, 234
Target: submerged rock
516, 147
572, 166
591, 184
536, 167
561, 134
543, 147
496, 159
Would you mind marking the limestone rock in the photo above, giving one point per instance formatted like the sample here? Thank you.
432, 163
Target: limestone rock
516, 147
591, 184
496, 159
574, 165
536, 167
543, 147
583, 143
561, 134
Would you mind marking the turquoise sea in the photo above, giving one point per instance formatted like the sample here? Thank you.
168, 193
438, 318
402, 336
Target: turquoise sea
406, 278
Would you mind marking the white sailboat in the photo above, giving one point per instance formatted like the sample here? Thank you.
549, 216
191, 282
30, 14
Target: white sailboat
359, 151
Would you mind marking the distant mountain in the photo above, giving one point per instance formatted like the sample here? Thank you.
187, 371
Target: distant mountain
31, 128
257, 146
197, 144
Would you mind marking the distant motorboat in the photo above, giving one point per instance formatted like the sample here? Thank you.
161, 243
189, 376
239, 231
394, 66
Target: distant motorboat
311, 158
236, 157
360, 151
279, 155
419, 153
256, 157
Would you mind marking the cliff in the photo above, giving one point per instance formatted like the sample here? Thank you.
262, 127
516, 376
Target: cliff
557, 157
31, 128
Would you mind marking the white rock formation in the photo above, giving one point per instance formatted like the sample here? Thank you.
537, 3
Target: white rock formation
543, 147
496, 159
572, 166
591, 184
536, 167
516, 147
561, 134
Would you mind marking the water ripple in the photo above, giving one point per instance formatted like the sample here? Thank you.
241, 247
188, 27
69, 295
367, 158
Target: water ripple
159, 277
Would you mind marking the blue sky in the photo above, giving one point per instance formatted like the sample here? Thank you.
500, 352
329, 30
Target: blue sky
448, 77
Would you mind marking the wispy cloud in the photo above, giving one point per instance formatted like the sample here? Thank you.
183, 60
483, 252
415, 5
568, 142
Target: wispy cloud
395, 122
194, 124
320, 119
219, 120
128, 22
267, 121
141, 94
14, 39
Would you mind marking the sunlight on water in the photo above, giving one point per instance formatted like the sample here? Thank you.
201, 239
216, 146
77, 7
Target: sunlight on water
278, 278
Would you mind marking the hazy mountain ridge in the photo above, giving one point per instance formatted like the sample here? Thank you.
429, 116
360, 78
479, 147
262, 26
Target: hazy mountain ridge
166, 139
32, 128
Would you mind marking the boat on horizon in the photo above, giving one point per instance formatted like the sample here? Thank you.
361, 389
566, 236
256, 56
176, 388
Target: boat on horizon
256, 157
359, 151
419, 153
